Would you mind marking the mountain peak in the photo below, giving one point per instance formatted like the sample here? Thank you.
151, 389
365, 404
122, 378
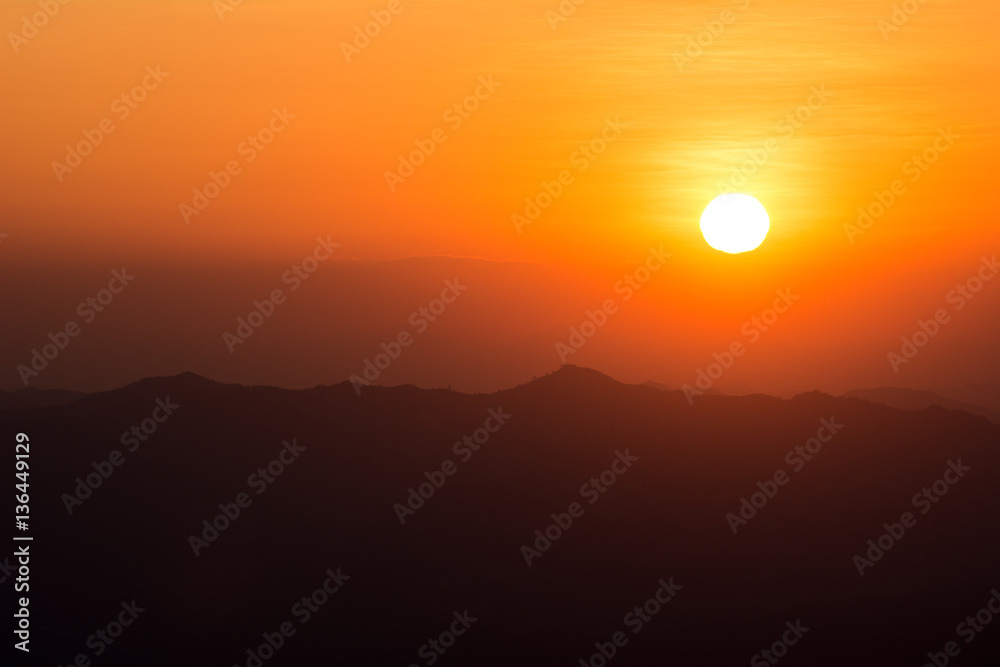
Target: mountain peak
573, 375
185, 380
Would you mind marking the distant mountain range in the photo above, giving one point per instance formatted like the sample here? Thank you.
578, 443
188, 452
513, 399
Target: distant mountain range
915, 399
896, 397
502, 330
396, 526
904, 399
985, 394
29, 397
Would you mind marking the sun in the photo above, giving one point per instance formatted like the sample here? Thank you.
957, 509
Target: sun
735, 223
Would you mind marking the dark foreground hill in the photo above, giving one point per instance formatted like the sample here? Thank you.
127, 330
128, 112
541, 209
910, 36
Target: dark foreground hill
635, 495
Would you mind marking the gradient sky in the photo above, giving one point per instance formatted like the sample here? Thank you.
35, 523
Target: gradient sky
688, 129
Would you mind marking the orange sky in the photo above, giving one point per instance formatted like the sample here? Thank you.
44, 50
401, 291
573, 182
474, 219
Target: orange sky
689, 125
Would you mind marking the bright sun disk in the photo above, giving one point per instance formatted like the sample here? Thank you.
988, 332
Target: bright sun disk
735, 223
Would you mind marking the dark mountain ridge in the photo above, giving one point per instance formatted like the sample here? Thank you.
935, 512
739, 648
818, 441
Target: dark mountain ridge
656, 481
915, 399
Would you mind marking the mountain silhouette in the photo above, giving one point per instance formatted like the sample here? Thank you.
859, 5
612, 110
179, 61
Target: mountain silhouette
29, 397
915, 399
418, 509
986, 394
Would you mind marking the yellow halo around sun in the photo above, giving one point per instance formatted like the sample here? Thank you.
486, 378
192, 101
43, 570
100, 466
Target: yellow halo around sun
735, 223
